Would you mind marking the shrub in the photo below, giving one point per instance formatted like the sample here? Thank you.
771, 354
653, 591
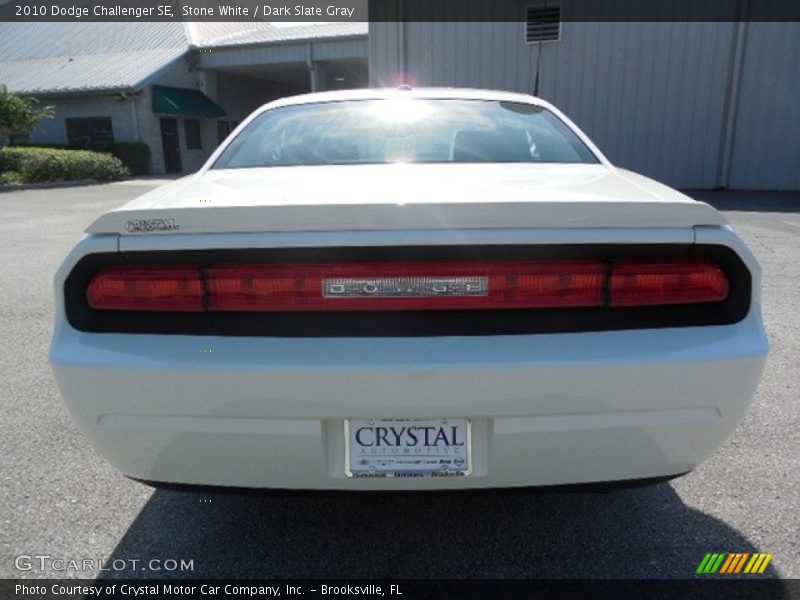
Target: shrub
10, 177
134, 155
48, 164
37, 145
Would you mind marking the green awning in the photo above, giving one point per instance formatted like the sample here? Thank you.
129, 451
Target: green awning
184, 102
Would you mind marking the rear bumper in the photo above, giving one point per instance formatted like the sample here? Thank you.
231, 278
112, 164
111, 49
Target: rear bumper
601, 487
546, 409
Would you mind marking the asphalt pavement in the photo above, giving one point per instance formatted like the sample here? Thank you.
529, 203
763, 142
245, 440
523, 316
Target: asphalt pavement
58, 498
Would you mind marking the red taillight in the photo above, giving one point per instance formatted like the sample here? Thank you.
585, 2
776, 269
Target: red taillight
173, 288
647, 283
406, 286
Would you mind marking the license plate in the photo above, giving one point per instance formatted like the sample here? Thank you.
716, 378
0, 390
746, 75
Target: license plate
407, 447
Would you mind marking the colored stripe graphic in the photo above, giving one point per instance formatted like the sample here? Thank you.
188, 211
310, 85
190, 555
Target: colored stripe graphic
726, 566
758, 563
702, 566
731, 563
740, 564
764, 564
752, 562
711, 562
717, 564
734, 563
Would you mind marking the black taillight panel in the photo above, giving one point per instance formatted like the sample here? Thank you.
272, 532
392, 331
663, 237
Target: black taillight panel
410, 323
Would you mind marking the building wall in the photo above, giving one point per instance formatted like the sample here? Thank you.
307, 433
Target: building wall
657, 98
132, 115
54, 131
144, 126
182, 74
240, 95
766, 136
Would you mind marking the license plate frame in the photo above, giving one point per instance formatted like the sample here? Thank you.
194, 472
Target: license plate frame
411, 463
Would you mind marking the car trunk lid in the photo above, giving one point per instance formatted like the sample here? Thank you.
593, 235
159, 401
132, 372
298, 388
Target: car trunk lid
406, 197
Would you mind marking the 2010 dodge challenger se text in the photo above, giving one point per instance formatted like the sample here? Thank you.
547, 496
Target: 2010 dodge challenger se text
408, 289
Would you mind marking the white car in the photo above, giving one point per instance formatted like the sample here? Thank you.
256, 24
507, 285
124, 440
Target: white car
408, 290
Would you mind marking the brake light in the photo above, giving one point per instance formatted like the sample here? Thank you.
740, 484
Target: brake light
409, 286
645, 283
405, 286
172, 288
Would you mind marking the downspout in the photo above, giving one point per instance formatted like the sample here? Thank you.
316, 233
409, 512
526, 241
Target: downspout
131, 96
135, 118
401, 42
312, 69
732, 91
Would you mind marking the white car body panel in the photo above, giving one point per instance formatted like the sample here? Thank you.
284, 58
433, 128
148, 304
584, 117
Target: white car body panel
426, 196
546, 409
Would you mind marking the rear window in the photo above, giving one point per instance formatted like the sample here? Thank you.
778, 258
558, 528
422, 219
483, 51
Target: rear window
406, 130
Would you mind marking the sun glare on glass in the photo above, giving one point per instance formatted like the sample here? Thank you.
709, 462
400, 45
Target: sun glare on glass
400, 110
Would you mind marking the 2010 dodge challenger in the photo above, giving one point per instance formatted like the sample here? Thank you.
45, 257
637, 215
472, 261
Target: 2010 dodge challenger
408, 290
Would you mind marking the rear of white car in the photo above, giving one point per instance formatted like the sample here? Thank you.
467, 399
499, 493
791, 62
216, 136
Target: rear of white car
409, 326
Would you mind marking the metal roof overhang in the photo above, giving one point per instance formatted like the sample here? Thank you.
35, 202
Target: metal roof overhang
296, 51
184, 102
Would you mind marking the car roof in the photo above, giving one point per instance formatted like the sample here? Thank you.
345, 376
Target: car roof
405, 91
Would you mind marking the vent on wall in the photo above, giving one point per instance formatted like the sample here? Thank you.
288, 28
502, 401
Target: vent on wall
542, 23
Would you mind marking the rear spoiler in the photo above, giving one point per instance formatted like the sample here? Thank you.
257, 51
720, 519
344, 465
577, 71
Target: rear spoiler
422, 216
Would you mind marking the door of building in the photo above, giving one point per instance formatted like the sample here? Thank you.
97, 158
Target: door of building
170, 143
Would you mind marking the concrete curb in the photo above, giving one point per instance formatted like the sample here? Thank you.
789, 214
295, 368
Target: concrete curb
46, 185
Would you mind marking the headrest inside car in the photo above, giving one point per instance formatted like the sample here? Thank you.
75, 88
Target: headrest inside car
491, 145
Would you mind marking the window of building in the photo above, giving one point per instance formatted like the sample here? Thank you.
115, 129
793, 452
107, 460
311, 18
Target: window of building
194, 140
84, 130
542, 23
